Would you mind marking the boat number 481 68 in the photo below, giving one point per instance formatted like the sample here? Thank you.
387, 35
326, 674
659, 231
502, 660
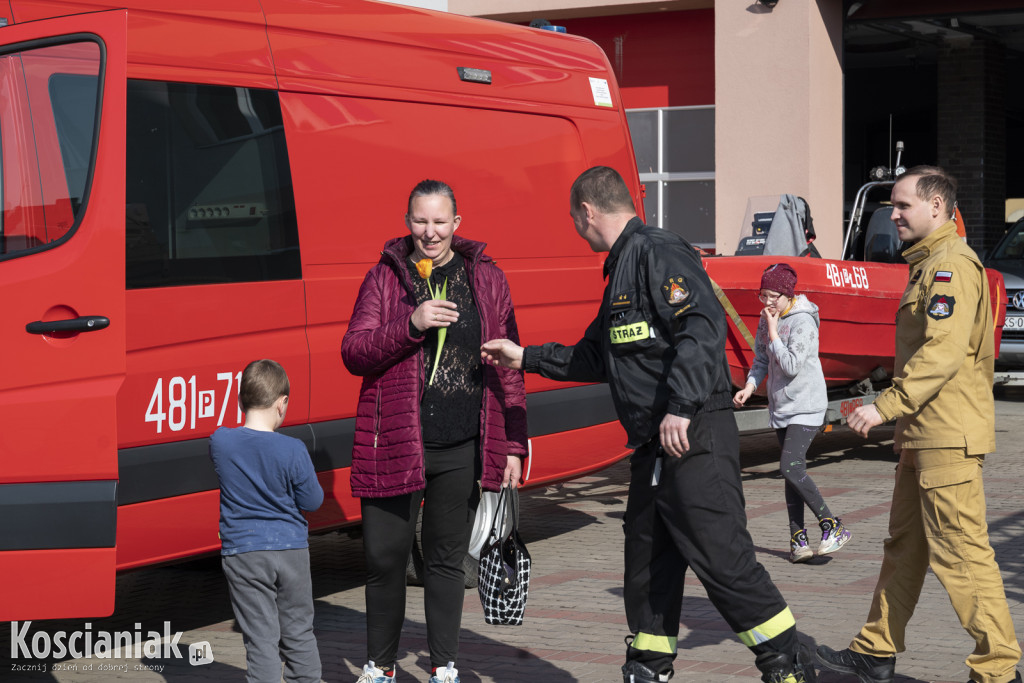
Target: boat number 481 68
855, 277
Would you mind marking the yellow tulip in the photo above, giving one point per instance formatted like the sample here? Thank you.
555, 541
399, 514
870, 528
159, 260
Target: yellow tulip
424, 267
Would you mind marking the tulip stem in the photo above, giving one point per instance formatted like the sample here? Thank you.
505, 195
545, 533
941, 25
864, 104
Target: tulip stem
442, 332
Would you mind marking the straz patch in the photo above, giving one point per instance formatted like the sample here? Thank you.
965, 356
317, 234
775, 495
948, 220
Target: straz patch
630, 333
943, 276
676, 291
915, 277
941, 306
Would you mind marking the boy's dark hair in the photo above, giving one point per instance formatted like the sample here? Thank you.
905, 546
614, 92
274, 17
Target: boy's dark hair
602, 187
263, 382
931, 181
426, 188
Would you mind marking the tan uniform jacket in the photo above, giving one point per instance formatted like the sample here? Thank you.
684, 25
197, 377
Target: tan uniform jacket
941, 394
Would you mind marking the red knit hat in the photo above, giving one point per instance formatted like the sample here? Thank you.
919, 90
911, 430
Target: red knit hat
779, 278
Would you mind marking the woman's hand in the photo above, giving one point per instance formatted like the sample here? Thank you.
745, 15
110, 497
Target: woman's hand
742, 395
513, 472
772, 320
434, 313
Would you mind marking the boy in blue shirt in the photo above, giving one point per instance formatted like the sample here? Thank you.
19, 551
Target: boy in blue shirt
266, 478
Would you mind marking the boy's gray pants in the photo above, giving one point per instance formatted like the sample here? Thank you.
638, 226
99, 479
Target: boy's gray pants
272, 596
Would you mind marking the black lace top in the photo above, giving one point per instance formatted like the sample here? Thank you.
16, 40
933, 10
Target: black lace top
450, 407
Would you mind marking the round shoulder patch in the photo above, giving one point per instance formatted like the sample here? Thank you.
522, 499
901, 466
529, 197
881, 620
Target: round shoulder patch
676, 291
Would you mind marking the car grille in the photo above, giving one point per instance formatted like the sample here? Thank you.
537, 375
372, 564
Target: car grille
1014, 306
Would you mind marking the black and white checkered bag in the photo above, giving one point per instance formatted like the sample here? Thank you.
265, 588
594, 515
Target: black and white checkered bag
504, 565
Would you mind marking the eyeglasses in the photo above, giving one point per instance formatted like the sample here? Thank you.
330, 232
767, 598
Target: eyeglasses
767, 298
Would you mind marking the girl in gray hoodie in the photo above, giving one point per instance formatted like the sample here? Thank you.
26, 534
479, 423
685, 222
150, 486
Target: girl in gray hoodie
786, 352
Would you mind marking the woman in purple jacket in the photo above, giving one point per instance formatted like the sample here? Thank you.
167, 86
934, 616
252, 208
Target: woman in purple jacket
426, 434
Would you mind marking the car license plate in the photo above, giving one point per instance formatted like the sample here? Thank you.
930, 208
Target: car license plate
1014, 322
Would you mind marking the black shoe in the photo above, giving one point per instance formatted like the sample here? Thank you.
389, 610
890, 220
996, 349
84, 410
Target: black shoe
778, 667
635, 672
1015, 680
867, 668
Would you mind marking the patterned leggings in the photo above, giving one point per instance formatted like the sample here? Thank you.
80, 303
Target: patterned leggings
794, 441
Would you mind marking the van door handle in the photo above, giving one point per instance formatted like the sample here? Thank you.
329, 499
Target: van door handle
86, 323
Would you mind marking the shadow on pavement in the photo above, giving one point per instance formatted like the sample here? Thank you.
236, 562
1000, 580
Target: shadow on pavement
341, 633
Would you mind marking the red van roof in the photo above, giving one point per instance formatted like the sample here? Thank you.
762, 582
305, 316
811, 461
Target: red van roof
345, 46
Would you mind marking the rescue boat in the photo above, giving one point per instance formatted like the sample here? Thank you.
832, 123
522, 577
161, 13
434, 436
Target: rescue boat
857, 299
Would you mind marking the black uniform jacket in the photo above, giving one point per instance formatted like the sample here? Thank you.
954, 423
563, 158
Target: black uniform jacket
658, 339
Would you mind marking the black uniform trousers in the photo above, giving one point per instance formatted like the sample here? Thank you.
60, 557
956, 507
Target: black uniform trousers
689, 513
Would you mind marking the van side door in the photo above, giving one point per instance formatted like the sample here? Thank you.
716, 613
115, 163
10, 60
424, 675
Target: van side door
62, 335
214, 281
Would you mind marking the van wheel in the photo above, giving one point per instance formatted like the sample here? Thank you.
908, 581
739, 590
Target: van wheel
414, 566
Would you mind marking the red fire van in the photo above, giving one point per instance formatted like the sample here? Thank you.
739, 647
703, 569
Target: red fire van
188, 186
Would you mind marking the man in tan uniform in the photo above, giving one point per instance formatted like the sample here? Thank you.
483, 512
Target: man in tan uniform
941, 399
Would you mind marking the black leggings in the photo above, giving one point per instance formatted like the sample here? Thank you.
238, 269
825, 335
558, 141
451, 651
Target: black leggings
794, 441
389, 527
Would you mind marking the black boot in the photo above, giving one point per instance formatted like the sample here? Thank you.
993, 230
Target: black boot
1015, 680
780, 667
635, 672
867, 668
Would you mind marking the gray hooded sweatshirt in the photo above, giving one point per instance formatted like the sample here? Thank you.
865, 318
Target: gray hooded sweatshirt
796, 384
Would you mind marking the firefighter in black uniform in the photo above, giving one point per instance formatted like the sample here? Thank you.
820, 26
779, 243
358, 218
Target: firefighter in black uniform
659, 341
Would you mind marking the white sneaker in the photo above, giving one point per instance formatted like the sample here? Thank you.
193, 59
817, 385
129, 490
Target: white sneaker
371, 674
447, 675
834, 535
799, 548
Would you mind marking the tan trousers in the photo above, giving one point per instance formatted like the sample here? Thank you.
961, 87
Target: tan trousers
937, 520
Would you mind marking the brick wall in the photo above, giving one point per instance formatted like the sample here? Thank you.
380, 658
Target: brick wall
972, 134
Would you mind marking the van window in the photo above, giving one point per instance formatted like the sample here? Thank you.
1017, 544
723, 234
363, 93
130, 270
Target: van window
48, 98
208, 189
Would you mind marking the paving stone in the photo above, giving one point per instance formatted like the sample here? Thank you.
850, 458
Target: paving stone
574, 621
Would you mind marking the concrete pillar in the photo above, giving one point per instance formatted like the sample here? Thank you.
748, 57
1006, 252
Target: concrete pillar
972, 134
779, 113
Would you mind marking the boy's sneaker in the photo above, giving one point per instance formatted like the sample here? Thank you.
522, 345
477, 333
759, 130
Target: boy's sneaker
448, 674
799, 548
865, 667
371, 674
833, 535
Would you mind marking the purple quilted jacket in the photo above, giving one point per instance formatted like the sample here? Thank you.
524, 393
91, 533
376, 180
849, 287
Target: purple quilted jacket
387, 458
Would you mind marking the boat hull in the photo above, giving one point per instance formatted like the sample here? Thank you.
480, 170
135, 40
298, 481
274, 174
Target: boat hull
857, 303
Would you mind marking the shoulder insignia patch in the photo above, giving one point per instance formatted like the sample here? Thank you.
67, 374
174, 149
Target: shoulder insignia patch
943, 276
682, 310
915, 277
675, 290
621, 301
941, 306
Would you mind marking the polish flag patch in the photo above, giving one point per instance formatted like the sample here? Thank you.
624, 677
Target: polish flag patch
943, 276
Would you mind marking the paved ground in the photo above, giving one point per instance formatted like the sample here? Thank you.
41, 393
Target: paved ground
574, 622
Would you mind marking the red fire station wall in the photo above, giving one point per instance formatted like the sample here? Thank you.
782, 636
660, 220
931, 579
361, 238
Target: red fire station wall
662, 59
